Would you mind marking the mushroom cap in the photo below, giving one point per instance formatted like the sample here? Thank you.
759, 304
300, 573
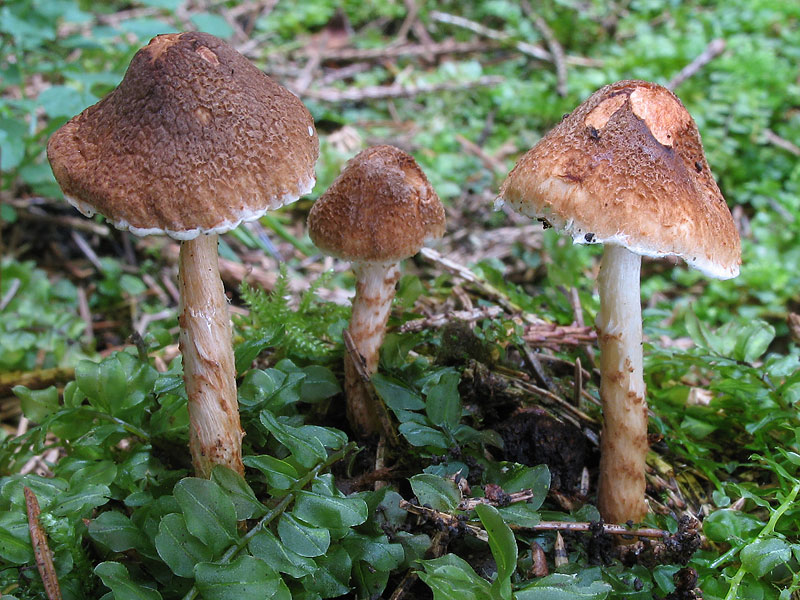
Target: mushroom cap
195, 139
381, 208
627, 167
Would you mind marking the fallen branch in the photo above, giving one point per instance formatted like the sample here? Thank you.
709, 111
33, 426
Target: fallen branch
411, 50
41, 550
776, 140
500, 36
714, 49
35, 380
554, 336
486, 288
440, 320
381, 92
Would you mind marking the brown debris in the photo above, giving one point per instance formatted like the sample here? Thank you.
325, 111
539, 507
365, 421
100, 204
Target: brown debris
41, 550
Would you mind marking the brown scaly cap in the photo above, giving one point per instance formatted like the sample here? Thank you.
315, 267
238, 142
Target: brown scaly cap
194, 140
381, 208
627, 167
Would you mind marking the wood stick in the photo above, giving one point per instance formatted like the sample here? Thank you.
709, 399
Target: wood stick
41, 549
714, 49
382, 92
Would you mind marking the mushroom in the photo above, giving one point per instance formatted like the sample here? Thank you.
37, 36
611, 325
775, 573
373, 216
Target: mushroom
193, 141
627, 169
378, 211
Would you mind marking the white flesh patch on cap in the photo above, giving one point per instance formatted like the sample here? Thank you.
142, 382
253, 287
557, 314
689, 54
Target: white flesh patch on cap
579, 232
189, 234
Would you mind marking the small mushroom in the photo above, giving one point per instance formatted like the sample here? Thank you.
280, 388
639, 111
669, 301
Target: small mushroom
627, 169
380, 210
193, 141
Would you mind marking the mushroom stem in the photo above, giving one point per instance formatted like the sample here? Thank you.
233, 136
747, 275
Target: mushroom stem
624, 441
215, 434
371, 306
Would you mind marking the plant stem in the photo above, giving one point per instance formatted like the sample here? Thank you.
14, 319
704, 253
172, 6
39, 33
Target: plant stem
768, 529
278, 509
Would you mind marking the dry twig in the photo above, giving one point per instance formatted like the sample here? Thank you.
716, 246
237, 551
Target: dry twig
440, 320
41, 550
714, 49
382, 92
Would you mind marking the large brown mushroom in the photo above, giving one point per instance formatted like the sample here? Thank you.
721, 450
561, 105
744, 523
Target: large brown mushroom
380, 210
627, 169
193, 141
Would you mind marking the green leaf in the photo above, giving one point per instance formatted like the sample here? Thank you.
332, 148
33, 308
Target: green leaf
37, 404
437, 492
503, 547
307, 451
521, 514
115, 576
560, 586
178, 548
246, 352
320, 383
115, 530
241, 494
210, 515
80, 500
726, 524
267, 547
329, 511
396, 394
279, 473
529, 478
15, 541
332, 578
443, 402
761, 556
753, 340
246, 578
422, 435
452, 578
303, 539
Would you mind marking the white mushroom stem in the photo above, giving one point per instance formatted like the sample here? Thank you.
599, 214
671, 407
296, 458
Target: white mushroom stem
215, 434
624, 441
375, 289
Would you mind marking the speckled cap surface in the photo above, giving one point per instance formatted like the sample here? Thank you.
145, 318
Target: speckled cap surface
381, 208
627, 167
195, 139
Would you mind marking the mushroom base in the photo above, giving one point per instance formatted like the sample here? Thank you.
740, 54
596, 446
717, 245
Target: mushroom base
375, 289
215, 433
624, 445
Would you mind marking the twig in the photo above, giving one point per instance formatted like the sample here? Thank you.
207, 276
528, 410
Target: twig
573, 526
41, 550
521, 496
556, 51
577, 382
86, 315
361, 369
381, 92
714, 49
410, 50
489, 161
500, 36
534, 365
35, 380
440, 320
529, 387
446, 518
13, 288
552, 336
489, 290
84, 246
776, 140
